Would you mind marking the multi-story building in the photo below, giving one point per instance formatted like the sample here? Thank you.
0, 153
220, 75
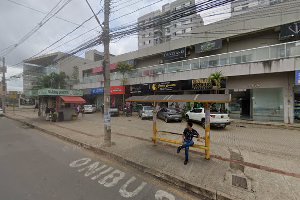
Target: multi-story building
243, 6
164, 32
36, 67
258, 54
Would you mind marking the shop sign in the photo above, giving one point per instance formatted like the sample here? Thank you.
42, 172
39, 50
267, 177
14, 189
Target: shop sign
297, 77
208, 46
175, 54
95, 91
59, 92
290, 30
101, 68
140, 89
201, 84
165, 86
114, 90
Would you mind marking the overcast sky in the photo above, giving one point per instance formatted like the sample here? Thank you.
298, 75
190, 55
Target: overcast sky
17, 20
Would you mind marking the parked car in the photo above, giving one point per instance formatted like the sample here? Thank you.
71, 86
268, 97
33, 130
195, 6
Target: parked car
1, 112
216, 119
146, 112
169, 115
89, 108
114, 112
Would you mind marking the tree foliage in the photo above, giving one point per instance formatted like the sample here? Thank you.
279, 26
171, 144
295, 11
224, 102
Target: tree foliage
124, 68
216, 79
75, 74
53, 80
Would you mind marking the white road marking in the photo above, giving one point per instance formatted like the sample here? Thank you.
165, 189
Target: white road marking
163, 195
123, 190
102, 173
112, 179
92, 169
115, 177
80, 162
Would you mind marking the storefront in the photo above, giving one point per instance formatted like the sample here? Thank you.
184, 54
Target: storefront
59, 101
267, 97
117, 96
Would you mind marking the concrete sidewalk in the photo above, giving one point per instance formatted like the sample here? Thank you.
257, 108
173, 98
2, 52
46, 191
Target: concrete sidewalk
213, 178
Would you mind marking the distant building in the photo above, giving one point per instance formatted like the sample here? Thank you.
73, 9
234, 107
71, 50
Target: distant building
176, 29
243, 6
43, 65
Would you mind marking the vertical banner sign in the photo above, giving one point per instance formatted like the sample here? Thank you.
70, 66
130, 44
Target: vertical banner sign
297, 77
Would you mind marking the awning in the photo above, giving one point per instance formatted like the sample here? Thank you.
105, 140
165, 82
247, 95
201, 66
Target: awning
75, 100
201, 98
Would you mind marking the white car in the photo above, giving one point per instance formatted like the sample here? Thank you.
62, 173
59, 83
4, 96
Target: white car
1, 112
89, 109
216, 119
146, 112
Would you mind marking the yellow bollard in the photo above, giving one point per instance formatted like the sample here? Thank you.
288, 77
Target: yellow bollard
154, 138
207, 131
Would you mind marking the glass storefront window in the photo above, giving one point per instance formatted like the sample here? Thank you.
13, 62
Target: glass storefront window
268, 104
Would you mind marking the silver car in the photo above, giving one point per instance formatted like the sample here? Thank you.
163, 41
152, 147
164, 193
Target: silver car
1, 112
146, 112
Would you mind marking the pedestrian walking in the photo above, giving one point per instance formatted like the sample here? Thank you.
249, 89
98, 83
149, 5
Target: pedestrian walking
187, 139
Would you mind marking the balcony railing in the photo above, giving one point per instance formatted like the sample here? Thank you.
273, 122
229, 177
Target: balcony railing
273, 52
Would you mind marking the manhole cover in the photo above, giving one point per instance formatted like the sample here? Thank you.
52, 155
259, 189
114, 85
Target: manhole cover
239, 182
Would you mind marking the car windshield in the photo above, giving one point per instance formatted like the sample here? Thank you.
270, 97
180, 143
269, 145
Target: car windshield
87, 106
148, 108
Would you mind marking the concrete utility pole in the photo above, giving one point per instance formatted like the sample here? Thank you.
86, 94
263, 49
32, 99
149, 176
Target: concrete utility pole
106, 65
3, 84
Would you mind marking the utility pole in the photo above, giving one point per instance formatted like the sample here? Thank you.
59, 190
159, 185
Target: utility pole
106, 65
3, 84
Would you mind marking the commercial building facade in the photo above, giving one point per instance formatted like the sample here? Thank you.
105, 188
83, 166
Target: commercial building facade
259, 60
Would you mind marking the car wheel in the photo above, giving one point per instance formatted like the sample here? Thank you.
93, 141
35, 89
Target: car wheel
142, 118
166, 120
187, 118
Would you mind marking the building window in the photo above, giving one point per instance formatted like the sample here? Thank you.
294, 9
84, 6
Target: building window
167, 30
183, 31
143, 36
188, 30
149, 34
149, 41
174, 34
144, 43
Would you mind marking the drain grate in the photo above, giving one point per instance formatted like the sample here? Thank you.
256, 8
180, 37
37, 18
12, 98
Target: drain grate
239, 182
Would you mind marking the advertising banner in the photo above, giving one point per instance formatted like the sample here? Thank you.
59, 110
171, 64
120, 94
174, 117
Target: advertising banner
115, 90
165, 86
208, 46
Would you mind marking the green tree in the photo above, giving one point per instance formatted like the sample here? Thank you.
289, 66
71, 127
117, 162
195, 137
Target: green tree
216, 79
124, 68
53, 80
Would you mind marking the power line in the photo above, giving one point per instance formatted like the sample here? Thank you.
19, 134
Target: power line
56, 9
40, 11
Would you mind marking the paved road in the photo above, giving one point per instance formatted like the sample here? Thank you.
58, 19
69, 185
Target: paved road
37, 166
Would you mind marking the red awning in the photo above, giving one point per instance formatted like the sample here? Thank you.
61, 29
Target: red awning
75, 100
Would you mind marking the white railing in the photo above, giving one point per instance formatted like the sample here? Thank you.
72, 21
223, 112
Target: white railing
264, 53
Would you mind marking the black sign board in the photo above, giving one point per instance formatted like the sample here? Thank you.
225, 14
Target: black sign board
175, 54
140, 89
208, 46
165, 86
290, 30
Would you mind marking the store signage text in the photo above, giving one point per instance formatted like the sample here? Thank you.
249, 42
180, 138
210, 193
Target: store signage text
201, 84
59, 92
175, 54
208, 46
165, 86
95, 91
117, 90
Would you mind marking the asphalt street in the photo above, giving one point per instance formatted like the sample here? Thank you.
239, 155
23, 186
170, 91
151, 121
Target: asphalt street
36, 166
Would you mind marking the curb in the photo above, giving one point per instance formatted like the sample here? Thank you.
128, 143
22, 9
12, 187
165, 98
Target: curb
196, 190
283, 126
